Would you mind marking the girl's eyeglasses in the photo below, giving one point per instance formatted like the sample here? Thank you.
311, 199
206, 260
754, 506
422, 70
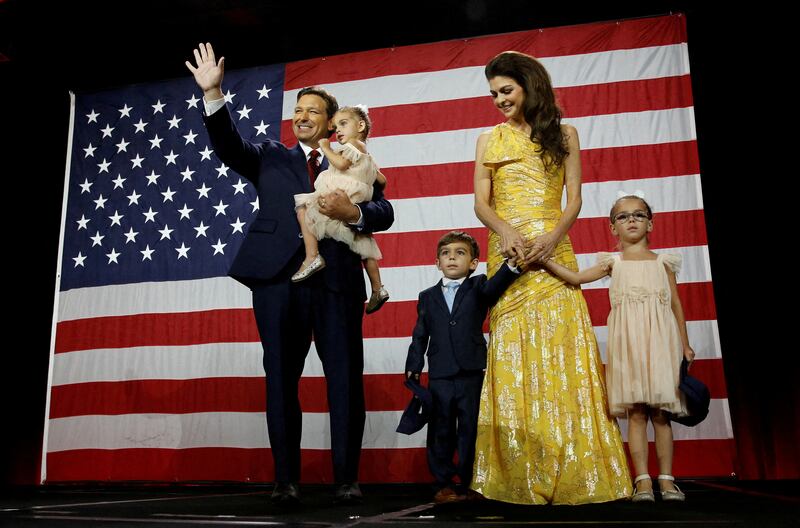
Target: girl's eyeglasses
637, 216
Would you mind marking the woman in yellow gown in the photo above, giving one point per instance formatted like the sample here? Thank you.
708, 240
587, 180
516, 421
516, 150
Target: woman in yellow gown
544, 431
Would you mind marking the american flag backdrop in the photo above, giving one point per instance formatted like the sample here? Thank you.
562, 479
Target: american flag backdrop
155, 370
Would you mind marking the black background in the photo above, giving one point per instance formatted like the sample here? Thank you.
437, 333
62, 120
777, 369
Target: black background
741, 78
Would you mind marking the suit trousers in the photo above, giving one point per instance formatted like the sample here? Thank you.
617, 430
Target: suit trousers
453, 426
287, 314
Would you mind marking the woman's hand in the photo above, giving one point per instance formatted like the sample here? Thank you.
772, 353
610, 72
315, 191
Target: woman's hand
541, 248
511, 243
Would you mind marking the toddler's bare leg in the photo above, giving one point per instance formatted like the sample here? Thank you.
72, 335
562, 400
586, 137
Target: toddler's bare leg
374, 273
309, 240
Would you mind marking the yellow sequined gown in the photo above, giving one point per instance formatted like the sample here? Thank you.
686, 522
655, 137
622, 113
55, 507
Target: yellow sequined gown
544, 431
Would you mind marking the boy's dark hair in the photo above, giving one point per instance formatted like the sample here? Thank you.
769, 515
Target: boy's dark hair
459, 236
331, 105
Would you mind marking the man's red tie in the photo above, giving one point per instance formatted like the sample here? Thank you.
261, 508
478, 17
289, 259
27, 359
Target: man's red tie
313, 166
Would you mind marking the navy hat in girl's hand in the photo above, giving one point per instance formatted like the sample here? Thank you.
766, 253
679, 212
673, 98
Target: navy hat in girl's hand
418, 411
697, 398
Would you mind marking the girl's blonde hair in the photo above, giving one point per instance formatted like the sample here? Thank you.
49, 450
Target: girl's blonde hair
360, 112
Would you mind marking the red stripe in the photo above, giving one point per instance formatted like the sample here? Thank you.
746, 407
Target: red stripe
599, 165
699, 458
234, 464
640, 161
396, 319
159, 396
627, 96
383, 392
608, 164
692, 458
174, 329
588, 235
420, 181
479, 112
549, 42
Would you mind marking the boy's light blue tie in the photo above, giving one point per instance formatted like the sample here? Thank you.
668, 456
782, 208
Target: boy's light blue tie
450, 294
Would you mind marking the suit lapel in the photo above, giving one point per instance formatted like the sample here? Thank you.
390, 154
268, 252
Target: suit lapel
462, 290
438, 297
302, 175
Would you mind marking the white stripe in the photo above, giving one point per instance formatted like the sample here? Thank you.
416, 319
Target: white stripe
56, 297
618, 65
455, 211
216, 360
384, 355
665, 195
460, 83
199, 295
170, 431
595, 132
635, 128
249, 431
212, 429
441, 213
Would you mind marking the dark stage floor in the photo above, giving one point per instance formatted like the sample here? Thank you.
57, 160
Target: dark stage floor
709, 503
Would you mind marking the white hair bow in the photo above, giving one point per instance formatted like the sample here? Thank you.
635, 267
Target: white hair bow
638, 193
363, 108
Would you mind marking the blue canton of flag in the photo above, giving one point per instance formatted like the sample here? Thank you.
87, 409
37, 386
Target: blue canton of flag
148, 198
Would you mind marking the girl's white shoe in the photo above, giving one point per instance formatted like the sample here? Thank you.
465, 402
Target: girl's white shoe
377, 299
671, 495
314, 266
642, 495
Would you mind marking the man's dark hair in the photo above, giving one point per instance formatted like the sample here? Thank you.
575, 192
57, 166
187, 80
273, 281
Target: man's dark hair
331, 105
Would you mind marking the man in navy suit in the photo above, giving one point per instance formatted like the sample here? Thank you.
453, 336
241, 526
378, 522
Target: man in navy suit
329, 304
450, 329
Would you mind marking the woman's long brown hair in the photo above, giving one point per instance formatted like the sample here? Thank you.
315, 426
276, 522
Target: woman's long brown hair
540, 110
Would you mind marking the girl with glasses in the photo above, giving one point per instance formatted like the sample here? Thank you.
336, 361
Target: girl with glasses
647, 340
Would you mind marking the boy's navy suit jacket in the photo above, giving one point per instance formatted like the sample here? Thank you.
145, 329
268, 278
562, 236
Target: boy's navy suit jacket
454, 341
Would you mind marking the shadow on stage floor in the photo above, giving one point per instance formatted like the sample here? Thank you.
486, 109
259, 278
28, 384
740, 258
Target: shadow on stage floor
709, 503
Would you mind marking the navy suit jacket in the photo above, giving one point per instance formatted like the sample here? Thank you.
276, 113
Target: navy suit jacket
274, 237
454, 340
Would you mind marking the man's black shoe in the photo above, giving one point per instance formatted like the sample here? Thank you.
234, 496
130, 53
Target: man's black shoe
286, 493
348, 494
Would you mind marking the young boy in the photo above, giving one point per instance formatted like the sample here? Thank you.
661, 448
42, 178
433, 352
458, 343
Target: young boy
450, 329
